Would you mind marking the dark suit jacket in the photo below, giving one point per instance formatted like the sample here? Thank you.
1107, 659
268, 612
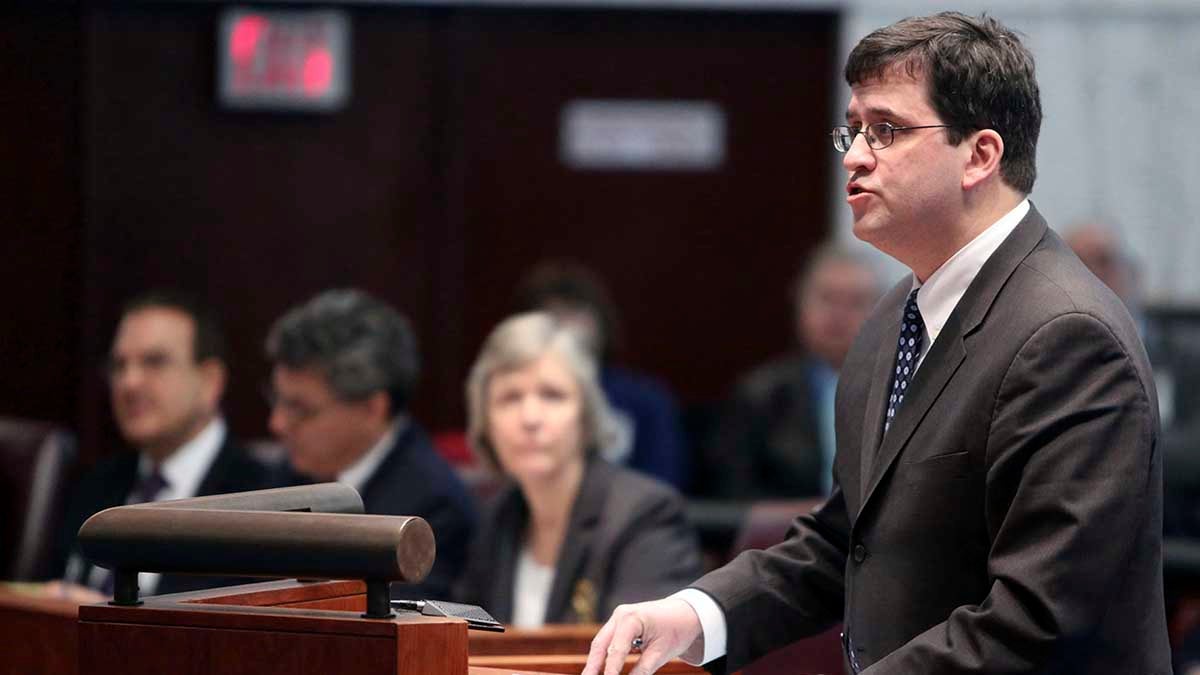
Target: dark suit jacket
1010, 520
111, 481
414, 480
769, 442
628, 540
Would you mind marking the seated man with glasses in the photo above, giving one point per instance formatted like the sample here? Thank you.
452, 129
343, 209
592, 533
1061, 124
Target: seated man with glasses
166, 373
345, 364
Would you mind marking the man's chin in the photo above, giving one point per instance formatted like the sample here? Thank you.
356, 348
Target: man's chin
141, 435
864, 231
315, 473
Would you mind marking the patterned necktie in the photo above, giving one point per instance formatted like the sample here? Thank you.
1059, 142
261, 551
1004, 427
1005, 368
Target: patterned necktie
912, 328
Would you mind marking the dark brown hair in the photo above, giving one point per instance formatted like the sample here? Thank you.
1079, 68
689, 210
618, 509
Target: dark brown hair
208, 340
979, 75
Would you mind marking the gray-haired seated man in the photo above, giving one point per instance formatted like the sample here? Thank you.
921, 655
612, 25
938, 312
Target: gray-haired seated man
345, 364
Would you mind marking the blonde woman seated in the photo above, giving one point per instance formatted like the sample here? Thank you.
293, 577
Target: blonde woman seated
573, 536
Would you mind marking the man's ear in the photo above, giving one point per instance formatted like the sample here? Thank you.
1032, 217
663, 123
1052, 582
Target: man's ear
987, 149
379, 406
213, 376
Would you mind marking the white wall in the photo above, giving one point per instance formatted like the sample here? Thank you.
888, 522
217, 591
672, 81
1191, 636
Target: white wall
1120, 86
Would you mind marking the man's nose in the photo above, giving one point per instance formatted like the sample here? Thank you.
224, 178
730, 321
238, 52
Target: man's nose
860, 155
126, 377
277, 421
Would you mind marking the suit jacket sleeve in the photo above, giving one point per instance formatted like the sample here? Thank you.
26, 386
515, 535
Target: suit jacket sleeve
1071, 467
773, 597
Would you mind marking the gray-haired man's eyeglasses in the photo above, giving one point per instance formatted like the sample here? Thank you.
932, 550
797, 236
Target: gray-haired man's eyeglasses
879, 135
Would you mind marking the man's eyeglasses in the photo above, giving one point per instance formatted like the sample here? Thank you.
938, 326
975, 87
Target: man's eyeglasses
296, 411
152, 363
878, 135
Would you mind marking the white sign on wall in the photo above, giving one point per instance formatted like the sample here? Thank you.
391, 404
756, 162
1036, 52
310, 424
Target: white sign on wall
639, 135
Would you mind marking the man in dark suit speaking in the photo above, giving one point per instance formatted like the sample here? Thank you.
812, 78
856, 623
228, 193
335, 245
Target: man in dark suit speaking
998, 498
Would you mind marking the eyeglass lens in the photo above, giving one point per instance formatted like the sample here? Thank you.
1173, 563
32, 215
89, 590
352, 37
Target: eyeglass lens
879, 136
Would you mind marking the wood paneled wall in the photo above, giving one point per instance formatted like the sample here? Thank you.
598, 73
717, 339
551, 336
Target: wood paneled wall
435, 188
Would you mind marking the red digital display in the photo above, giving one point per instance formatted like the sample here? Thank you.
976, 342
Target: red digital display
284, 60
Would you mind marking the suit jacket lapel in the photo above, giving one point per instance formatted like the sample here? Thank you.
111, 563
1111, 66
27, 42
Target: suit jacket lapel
940, 364
376, 488
573, 596
947, 353
881, 376
214, 478
509, 529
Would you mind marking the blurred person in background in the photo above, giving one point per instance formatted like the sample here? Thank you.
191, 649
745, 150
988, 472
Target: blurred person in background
345, 367
166, 374
648, 433
775, 440
573, 535
1176, 368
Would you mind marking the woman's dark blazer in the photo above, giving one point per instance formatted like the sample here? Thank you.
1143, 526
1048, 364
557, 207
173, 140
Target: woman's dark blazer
628, 540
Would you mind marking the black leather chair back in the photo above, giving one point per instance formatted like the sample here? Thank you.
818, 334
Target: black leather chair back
36, 461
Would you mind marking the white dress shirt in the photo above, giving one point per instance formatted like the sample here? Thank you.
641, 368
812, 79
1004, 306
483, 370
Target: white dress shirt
936, 299
186, 467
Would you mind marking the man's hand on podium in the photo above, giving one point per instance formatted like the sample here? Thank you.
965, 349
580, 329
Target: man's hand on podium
663, 629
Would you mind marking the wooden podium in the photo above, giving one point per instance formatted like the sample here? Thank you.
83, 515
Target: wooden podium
271, 628
48, 631
280, 627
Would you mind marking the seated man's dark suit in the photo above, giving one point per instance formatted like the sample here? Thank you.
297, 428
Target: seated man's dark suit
627, 541
769, 442
1010, 519
110, 483
414, 480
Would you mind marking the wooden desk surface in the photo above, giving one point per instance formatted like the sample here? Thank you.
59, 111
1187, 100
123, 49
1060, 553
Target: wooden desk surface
562, 663
558, 639
475, 670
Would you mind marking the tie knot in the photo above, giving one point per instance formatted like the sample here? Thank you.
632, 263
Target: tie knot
912, 312
148, 487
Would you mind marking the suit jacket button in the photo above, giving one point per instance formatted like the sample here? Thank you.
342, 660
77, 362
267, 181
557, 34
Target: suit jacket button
860, 553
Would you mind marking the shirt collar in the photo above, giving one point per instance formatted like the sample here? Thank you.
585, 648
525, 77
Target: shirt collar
940, 293
358, 473
186, 467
